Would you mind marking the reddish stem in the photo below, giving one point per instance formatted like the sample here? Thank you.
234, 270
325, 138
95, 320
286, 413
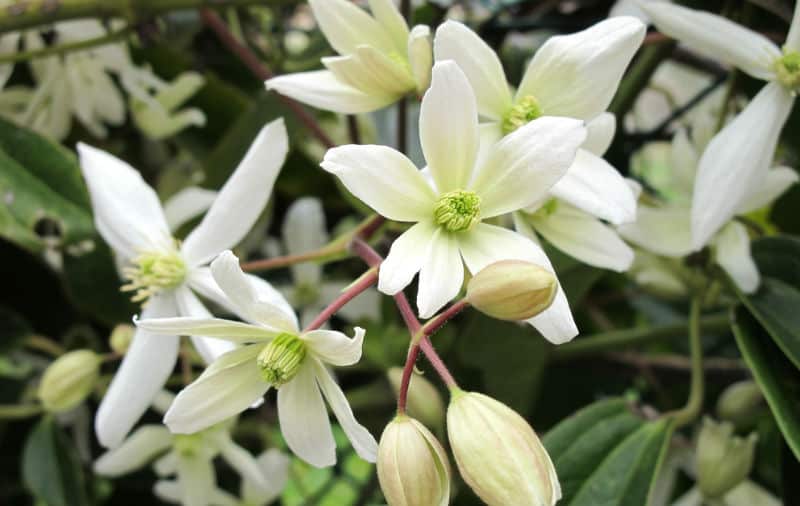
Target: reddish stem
436, 361
368, 279
408, 370
438, 321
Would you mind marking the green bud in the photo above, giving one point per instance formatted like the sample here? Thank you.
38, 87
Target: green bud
723, 460
121, 337
280, 360
69, 380
740, 404
457, 210
512, 290
424, 400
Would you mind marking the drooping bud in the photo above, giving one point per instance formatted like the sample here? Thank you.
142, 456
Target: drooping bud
787, 70
412, 466
121, 337
524, 111
69, 380
423, 402
281, 359
457, 210
723, 460
512, 290
739, 404
498, 454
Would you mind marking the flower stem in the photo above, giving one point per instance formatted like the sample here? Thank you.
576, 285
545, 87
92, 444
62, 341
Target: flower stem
15, 411
366, 280
66, 48
694, 404
45, 344
405, 381
434, 324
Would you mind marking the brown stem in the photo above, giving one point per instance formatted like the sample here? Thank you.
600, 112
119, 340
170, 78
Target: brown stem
368, 279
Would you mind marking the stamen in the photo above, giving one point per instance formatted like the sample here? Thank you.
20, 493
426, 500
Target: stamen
524, 111
457, 210
280, 360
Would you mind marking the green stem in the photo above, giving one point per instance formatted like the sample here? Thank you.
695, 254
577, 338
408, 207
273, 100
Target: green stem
694, 404
639, 75
617, 339
66, 48
15, 411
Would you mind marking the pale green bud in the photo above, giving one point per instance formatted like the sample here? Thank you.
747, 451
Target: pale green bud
424, 401
280, 360
723, 460
69, 380
740, 404
498, 453
413, 469
512, 290
121, 337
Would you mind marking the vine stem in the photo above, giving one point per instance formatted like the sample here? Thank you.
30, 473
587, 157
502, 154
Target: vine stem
694, 403
109, 38
365, 281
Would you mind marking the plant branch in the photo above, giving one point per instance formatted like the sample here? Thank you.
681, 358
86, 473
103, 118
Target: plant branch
694, 404
66, 48
365, 281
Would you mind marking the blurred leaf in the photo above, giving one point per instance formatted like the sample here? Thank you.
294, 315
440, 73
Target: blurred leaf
606, 455
13, 329
779, 257
51, 469
777, 377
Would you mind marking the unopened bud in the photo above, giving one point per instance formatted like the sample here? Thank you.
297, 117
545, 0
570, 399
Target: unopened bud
740, 404
412, 466
512, 290
723, 460
424, 401
121, 337
69, 380
498, 454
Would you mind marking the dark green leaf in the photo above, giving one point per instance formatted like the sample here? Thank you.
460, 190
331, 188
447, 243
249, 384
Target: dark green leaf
779, 257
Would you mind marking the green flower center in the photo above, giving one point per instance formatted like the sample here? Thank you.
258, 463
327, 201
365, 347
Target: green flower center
280, 360
457, 210
787, 69
524, 111
187, 445
152, 272
547, 209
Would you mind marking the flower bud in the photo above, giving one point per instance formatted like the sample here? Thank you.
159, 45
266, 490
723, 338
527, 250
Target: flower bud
69, 380
498, 454
512, 290
723, 460
424, 401
740, 403
121, 337
412, 466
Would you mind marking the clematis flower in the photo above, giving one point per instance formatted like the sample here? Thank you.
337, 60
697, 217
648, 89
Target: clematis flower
275, 354
379, 60
464, 190
663, 225
738, 157
165, 274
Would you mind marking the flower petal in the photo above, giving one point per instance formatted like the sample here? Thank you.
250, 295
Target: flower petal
592, 61
454, 41
127, 211
524, 165
388, 15
334, 347
442, 273
371, 72
664, 231
243, 462
323, 90
717, 37
737, 160
346, 26
793, 38
304, 419
228, 387
363, 442
242, 199
732, 253
420, 57
594, 186
405, 258
448, 127
232, 331
197, 478
778, 180
188, 203
599, 133
274, 465
384, 179
135, 452
144, 370
304, 230
189, 305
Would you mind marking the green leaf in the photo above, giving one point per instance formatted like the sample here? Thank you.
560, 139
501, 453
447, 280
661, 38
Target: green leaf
779, 257
606, 455
776, 375
13, 329
51, 469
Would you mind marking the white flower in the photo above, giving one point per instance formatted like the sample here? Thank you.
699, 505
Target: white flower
303, 231
665, 229
380, 60
737, 158
464, 190
275, 353
164, 273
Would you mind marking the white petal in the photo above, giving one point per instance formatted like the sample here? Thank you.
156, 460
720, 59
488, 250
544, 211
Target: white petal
372, 72
245, 296
420, 57
388, 15
188, 203
196, 478
189, 305
490, 134
664, 231
737, 160
363, 442
334, 347
591, 61
304, 419
274, 465
405, 258
323, 90
717, 37
732, 252
347, 27
242, 199
793, 39
525, 164
441, 275
480, 63
585, 238
593, 185
137, 450
384, 179
144, 370
367, 305
599, 133
448, 127
243, 462
126, 210
684, 161
236, 332
778, 180
303, 231
228, 387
